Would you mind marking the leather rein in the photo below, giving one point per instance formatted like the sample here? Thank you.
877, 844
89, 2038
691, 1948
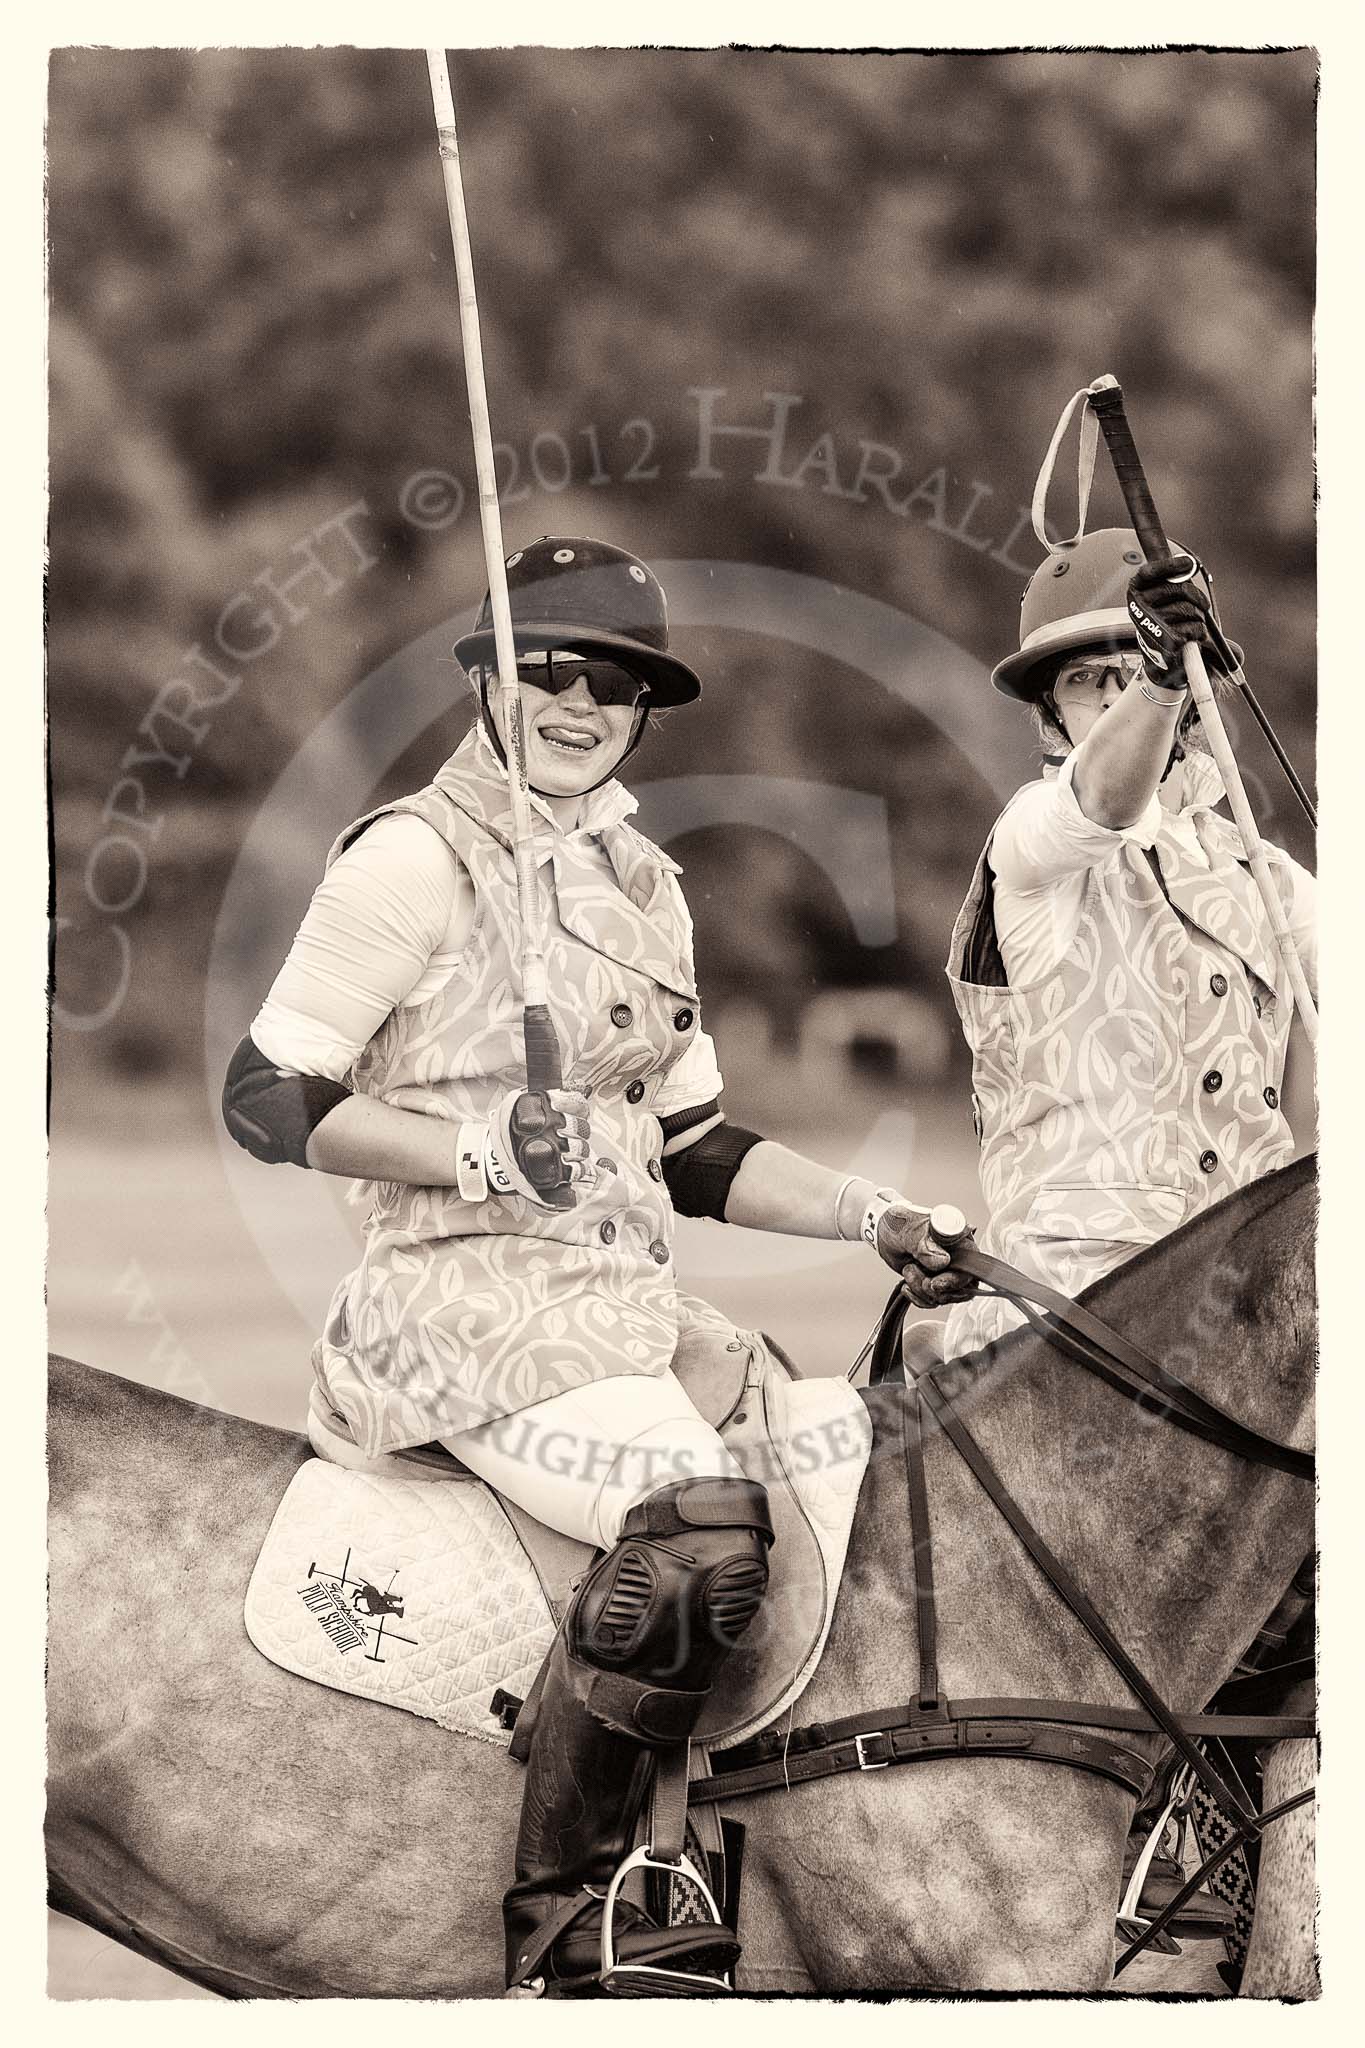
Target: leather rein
1051, 1731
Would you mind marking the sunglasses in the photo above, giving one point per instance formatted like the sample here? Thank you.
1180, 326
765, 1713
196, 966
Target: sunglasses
1091, 674
608, 683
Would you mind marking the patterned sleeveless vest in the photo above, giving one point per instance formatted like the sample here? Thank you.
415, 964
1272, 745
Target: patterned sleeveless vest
1139, 1081
460, 1313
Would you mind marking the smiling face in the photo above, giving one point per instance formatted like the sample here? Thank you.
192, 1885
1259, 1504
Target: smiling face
572, 741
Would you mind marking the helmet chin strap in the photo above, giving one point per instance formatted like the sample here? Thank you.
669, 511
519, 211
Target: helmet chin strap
637, 733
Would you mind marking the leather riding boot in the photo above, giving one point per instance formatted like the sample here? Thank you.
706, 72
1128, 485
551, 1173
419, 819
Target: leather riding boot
586, 1783
628, 1675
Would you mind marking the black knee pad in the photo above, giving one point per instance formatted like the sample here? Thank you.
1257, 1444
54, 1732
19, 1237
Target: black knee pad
687, 1577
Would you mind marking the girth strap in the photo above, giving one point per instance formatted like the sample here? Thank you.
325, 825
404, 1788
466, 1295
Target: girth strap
915, 1738
779, 1759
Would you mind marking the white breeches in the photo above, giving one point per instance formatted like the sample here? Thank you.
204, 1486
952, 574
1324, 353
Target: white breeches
581, 1460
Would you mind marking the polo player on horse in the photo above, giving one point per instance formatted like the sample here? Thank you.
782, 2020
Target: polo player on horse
1113, 964
390, 1049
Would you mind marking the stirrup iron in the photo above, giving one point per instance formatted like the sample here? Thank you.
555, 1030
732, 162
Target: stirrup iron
657, 1980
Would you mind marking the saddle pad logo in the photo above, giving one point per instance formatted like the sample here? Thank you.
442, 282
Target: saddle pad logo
352, 1611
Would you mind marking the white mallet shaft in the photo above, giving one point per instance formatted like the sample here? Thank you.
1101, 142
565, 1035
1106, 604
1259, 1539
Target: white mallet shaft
509, 696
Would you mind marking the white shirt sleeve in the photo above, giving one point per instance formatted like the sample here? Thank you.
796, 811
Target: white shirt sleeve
1303, 920
692, 1080
379, 913
1045, 834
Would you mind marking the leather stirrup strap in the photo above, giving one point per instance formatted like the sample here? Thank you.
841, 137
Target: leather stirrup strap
1080, 1606
921, 1551
668, 1803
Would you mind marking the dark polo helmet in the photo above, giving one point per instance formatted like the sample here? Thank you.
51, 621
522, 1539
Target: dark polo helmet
1078, 598
590, 598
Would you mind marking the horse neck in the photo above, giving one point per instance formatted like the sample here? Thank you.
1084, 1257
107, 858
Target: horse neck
1184, 1547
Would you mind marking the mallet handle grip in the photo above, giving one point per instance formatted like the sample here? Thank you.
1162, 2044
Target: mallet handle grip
1106, 402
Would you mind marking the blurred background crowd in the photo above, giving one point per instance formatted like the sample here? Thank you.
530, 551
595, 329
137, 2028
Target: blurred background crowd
892, 270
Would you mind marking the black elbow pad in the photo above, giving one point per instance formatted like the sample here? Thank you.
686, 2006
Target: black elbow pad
699, 1177
271, 1112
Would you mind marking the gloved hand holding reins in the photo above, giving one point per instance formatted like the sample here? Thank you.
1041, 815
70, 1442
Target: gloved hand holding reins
905, 1240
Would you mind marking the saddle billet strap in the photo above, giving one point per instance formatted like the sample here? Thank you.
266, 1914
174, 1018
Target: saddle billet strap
668, 1803
921, 1739
1089, 1618
1102, 1350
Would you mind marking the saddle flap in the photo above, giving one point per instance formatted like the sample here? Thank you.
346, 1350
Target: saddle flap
808, 1443
712, 1360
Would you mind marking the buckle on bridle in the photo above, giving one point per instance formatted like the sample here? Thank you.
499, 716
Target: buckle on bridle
876, 1763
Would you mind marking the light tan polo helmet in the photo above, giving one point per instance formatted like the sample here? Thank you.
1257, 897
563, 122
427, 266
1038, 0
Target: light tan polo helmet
1077, 598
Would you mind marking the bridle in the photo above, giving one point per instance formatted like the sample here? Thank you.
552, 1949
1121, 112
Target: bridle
1049, 1731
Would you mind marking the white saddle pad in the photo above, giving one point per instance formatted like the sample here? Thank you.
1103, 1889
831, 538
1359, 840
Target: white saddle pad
418, 1593
459, 1609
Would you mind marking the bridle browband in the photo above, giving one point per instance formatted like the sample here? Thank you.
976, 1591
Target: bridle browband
1050, 1731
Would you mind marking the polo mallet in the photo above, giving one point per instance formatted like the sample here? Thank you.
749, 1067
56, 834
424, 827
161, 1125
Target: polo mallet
540, 1157
1106, 401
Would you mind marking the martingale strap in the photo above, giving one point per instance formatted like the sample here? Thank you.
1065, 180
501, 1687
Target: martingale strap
1090, 1619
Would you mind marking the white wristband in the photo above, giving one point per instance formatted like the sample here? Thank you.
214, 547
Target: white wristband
844, 1187
470, 1176
1168, 696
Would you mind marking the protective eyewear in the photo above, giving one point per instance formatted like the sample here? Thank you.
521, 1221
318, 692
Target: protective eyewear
1093, 674
608, 683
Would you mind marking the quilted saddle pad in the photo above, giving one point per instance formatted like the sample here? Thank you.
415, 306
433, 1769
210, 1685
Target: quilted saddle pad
417, 1592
